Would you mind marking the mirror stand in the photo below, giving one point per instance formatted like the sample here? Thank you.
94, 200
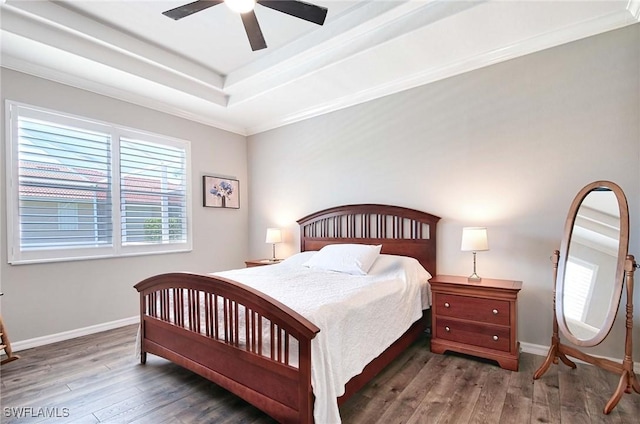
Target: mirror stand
628, 379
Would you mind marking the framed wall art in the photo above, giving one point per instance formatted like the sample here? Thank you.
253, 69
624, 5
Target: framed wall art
220, 192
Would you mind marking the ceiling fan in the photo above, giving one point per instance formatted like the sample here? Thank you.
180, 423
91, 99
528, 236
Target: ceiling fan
299, 9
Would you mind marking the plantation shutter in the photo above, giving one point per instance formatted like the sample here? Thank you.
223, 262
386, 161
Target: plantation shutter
78, 189
64, 193
153, 201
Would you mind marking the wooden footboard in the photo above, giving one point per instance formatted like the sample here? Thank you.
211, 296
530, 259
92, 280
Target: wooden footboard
237, 337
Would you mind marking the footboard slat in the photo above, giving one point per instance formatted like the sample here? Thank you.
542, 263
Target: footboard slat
218, 327
236, 324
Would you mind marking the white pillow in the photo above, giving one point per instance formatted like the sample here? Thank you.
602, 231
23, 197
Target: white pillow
348, 258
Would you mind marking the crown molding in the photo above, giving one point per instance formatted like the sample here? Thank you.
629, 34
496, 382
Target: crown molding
540, 42
114, 92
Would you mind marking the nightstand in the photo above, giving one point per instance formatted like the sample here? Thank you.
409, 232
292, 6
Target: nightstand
261, 262
476, 318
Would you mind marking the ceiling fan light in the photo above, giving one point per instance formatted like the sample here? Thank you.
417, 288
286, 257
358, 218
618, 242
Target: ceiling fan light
240, 6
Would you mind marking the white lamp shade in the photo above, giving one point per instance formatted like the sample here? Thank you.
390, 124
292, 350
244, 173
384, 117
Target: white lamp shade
474, 239
274, 235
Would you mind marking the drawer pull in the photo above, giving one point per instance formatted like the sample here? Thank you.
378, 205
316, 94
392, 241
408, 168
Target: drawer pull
495, 312
446, 304
447, 329
495, 338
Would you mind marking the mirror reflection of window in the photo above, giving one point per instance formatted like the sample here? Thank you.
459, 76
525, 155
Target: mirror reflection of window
580, 280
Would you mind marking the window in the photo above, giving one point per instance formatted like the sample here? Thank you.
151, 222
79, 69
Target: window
152, 195
83, 189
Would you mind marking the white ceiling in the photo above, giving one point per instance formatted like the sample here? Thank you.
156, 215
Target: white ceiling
202, 68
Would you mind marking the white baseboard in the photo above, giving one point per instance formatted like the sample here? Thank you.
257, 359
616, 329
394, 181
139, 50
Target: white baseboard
541, 350
534, 349
72, 334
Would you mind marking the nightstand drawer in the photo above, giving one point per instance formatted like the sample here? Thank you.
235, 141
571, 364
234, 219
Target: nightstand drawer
475, 334
489, 311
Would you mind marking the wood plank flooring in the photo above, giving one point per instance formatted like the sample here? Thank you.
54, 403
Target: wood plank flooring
97, 379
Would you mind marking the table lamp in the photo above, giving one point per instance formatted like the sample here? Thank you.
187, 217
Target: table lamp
274, 235
474, 239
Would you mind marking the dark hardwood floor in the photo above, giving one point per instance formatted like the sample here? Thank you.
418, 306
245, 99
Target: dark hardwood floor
97, 378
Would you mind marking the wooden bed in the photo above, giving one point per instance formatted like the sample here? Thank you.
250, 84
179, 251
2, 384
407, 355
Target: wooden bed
198, 321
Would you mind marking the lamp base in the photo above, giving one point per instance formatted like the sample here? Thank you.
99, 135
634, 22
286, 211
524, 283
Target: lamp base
474, 278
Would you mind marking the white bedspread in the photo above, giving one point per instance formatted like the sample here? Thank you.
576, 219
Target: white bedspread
358, 316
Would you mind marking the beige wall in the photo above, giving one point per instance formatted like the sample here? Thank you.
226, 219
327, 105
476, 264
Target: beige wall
506, 147
44, 299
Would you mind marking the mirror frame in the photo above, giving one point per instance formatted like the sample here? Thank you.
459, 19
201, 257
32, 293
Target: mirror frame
623, 246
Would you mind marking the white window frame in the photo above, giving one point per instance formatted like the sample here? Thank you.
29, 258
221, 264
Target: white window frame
17, 256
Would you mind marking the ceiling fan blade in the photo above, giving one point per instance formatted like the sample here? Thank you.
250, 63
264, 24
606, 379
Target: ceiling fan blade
251, 26
299, 9
191, 8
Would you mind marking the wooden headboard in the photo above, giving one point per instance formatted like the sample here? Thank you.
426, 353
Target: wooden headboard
400, 231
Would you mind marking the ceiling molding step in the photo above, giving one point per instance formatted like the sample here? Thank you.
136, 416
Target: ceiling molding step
551, 39
26, 67
36, 48
383, 28
298, 52
59, 23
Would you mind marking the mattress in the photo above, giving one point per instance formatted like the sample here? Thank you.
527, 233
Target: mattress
359, 316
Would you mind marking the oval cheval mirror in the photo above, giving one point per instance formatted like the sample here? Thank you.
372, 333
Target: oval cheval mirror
590, 271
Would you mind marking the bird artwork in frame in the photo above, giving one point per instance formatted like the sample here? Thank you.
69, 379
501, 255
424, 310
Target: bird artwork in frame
219, 192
